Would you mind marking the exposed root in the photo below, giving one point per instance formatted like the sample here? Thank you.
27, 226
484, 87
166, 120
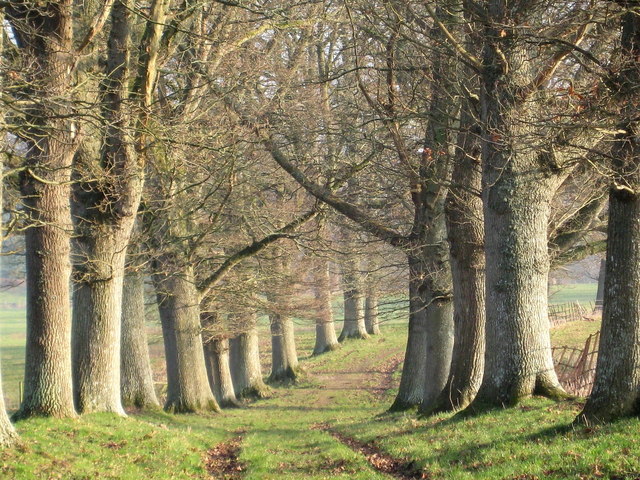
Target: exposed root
222, 460
397, 468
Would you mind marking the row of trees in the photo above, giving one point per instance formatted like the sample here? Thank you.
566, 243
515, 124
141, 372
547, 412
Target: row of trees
477, 139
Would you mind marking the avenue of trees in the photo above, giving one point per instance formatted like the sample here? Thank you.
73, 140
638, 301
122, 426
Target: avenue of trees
251, 158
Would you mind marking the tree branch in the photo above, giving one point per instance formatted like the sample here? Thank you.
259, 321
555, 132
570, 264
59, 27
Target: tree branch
96, 26
208, 283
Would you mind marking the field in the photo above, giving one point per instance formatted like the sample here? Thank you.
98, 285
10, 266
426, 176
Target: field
331, 425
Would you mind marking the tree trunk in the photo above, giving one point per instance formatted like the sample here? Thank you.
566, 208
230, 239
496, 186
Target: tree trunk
8, 435
519, 179
217, 361
105, 209
46, 34
430, 340
371, 321
136, 379
600, 291
353, 326
97, 310
188, 388
246, 370
616, 389
284, 358
465, 229
518, 356
326, 339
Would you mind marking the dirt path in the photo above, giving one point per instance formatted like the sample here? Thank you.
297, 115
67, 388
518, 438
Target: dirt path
401, 469
311, 406
377, 379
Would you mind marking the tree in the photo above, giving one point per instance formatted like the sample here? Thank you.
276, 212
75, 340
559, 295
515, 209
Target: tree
352, 287
244, 354
284, 356
326, 339
106, 199
44, 34
616, 389
527, 154
216, 348
136, 380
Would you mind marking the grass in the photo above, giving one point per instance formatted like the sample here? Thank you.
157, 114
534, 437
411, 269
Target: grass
279, 441
534, 440
584, 293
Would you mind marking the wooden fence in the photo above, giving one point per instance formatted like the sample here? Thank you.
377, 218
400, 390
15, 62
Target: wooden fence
562, 313
576, 367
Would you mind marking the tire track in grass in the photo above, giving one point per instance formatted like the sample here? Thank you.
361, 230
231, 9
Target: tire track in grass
222, 460
402, 469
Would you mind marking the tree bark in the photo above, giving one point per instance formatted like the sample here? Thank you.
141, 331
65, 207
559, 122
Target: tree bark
136, 379
104, 211
46, 35
97, 311
219, 373
371, 320
246, 370
188, 388
326, 339
465, 229
430, 340
518, 185
284, 358
616, 389
353, 326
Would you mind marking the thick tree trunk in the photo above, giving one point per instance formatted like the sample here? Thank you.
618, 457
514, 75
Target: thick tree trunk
136, 379
246, 370
46, 35
518, 347
284, 358
48, 385
353, 326
616, 389
371, 320
430, 340
104, 211
465, 231
97, 310
326, 339
519, 179
217, 360
187, 383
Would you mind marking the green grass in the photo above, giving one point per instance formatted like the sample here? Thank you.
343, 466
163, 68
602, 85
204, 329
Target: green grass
534, 440
584, 293
574, 334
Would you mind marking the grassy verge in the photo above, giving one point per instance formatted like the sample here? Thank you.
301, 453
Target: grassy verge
279, 441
